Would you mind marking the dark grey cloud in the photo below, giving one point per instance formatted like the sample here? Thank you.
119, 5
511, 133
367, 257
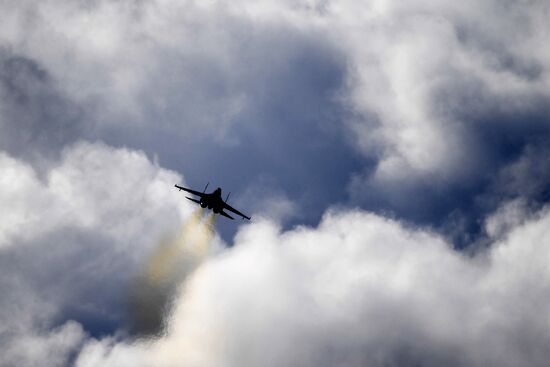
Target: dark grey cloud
37, 118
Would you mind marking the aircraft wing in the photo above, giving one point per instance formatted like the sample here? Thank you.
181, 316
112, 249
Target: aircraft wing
198, 193
225, 214
230, 208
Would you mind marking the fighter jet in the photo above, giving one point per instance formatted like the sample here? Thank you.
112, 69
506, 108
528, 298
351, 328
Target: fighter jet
213, 201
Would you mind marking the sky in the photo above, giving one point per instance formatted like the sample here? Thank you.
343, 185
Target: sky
393, 156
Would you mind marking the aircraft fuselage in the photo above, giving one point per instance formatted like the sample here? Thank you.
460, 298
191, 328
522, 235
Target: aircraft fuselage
212, 201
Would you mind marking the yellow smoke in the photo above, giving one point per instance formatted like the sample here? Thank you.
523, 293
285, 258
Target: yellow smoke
206, 233
171, 262
189, 245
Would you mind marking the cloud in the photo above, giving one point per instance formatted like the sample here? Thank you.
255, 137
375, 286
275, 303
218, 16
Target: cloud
86, 188
72, 244
427, 99
257, 100
431, 113
430, 79
447, 96
52, 347
357, 290
37, 118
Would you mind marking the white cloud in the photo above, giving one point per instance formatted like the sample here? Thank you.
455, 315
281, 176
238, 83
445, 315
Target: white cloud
421, 68
50, 348
269, 202
357, 290
508, 216
94, 187
72, 241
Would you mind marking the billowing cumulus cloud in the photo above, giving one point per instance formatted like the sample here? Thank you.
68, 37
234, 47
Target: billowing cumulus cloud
368, 140
436, 73
357, 290
72, 245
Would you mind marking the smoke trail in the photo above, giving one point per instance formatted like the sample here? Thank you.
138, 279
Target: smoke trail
172, 261
171, 250
203, 235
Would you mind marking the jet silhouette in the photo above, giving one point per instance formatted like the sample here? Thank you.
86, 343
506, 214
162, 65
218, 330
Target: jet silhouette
213, 201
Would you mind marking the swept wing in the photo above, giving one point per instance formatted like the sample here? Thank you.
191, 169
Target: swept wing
230, 208
198, 193
225, 214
